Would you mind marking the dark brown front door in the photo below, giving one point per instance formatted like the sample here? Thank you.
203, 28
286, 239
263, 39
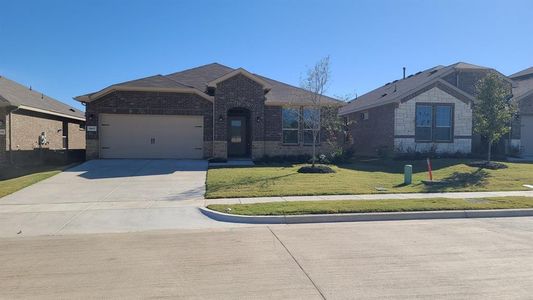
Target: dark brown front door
237, 141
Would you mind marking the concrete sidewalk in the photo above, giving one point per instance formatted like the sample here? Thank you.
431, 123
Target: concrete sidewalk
456, 195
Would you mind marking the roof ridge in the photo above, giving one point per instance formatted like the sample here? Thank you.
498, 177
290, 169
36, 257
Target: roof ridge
202, 66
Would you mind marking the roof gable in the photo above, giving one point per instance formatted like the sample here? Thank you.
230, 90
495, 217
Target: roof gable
240, 71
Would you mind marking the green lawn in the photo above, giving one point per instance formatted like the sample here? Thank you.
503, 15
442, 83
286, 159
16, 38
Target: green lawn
363, 178
14, 178
367, 206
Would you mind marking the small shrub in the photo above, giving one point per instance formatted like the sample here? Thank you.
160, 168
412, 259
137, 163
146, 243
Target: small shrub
316, 169
487, 165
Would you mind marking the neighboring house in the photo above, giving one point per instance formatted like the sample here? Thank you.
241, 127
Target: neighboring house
32, 123
208, 111
523, 94
428, 111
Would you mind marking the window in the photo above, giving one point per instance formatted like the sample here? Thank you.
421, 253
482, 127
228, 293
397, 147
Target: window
364, 115
434, 123
290, 125
311, 120
443, 123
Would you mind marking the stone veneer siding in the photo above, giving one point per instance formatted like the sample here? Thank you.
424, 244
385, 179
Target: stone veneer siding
404, 124
153, 103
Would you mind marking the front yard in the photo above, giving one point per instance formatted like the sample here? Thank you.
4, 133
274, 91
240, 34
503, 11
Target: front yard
366, 177
13, 179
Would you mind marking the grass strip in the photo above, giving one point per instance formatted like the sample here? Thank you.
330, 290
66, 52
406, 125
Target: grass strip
369, 206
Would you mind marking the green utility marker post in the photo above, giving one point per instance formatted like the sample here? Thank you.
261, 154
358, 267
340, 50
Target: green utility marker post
407, 174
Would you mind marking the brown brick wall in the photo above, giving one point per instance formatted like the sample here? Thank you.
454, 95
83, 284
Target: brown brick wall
153, 103
3, 138
239, 92
368, 136
273, 123
27, 126
76, 136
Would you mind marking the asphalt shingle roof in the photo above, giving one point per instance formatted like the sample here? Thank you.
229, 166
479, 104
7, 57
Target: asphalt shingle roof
398, 89
528, 71
199, 77
16, 95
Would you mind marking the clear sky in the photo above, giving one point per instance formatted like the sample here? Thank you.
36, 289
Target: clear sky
68, 48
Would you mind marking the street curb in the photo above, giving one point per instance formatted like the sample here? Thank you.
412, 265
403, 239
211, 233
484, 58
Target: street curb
365, 217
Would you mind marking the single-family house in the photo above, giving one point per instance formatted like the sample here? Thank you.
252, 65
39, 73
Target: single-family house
35, 128
427, 111
208, 111
523, 94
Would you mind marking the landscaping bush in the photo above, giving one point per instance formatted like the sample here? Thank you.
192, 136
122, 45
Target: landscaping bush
487, 165
316, 169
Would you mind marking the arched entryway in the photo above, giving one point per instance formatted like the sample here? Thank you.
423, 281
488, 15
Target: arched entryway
239, 135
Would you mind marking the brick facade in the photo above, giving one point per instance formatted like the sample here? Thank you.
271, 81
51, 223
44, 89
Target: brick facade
240, 92
23, 129
373, 134
3, 138
237, 92
27, 126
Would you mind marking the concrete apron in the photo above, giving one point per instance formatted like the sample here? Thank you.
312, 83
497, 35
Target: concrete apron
360, 217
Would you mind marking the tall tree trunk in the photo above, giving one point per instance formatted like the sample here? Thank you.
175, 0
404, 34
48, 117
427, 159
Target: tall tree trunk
490, 152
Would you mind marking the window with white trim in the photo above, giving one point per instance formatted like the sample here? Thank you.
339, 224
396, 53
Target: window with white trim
290, 125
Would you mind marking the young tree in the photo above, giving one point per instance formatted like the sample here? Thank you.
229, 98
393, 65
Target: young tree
316, 81
493, 110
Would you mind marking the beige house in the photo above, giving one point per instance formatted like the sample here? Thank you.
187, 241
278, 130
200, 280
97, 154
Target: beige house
35, 128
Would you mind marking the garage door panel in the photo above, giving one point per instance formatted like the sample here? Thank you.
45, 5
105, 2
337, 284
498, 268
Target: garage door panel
151, 136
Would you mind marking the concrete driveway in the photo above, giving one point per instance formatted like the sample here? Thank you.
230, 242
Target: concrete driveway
110, 196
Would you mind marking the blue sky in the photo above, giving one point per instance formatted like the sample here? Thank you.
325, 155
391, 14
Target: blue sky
68, 48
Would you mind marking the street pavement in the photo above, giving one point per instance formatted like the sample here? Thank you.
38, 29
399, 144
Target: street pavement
437, 259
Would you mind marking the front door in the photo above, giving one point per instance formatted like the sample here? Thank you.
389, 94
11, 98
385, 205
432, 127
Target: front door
237, 139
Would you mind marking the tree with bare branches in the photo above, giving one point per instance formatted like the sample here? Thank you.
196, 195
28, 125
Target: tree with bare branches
315, 82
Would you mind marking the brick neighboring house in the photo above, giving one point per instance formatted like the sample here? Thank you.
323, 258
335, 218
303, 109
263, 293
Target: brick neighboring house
25, 115
428, 111
208, 111
522, 135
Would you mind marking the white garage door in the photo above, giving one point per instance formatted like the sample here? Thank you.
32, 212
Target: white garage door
151, 136
526, 139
